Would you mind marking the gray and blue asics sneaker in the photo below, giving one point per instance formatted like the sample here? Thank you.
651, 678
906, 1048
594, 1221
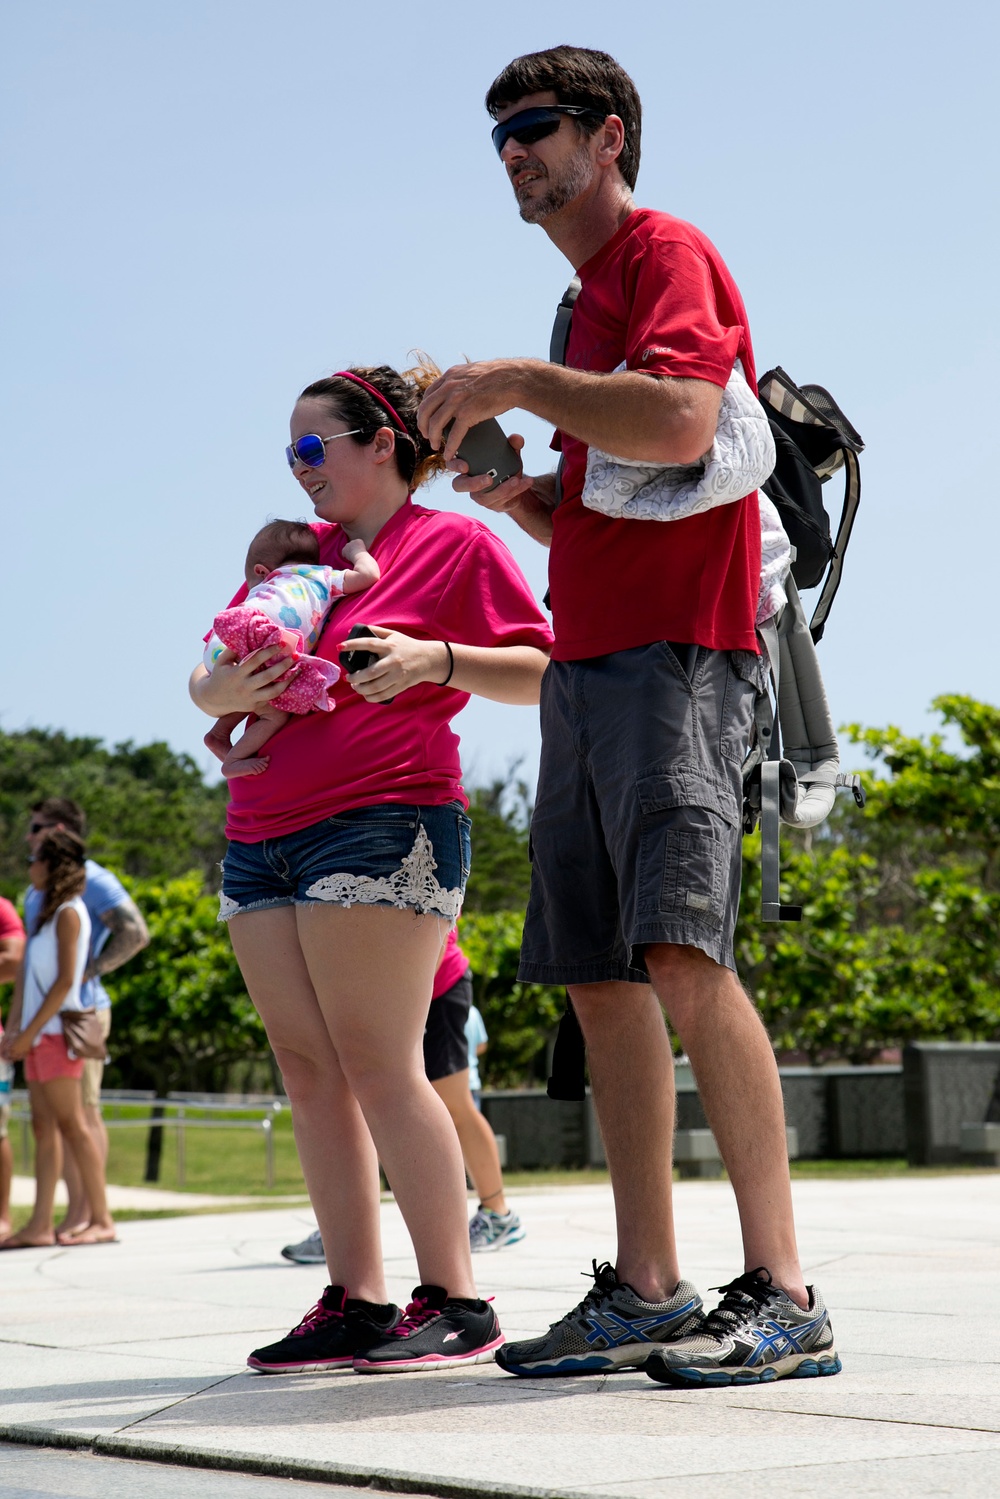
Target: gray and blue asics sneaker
489, 1230
756, 1334
612, 1328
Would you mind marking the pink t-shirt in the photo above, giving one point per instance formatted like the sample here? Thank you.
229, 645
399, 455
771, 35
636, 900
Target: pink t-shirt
444, 577
452, 966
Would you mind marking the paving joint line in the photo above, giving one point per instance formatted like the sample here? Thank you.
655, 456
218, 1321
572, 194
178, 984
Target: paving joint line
390, 1480
172, 1404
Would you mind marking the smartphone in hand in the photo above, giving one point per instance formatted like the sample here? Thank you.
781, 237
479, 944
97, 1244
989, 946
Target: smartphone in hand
486, 451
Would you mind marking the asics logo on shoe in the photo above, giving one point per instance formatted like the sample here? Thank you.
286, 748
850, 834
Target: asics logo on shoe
776, 1340
609, 1330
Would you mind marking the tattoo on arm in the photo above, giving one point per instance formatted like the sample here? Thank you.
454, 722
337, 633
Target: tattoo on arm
129, 935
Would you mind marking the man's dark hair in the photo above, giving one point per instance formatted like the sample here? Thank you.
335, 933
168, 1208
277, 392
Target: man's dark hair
576, 75
61, 809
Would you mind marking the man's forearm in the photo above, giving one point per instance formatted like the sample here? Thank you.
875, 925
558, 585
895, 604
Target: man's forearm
655, 420
129, 935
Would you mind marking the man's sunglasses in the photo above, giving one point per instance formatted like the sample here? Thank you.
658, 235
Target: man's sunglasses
311, 450
531, 125
39, 827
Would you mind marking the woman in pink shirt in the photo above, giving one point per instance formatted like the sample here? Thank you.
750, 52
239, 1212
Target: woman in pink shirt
347, 863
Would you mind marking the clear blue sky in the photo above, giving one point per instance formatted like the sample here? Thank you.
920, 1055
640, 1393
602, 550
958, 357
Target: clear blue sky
211, 204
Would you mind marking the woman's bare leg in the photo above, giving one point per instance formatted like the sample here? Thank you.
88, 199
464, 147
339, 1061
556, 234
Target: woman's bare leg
335, 1148
39, 1230
65, 1099
373, 971
478, 1142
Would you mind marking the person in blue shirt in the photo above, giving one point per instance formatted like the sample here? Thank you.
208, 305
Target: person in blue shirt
477, 1040
118, 932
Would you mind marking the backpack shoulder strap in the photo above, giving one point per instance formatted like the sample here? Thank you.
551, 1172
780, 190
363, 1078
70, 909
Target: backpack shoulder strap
563, 322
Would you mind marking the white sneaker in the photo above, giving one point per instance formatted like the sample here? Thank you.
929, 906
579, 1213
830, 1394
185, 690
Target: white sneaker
309, 1252
489, 1230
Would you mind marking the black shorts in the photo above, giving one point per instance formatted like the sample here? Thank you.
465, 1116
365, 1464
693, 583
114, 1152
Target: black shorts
446, 1050
636, 835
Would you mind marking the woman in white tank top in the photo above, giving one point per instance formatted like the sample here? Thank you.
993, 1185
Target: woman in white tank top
48, 983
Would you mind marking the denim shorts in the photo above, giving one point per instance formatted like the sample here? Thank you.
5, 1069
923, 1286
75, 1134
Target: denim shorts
414, 858
636, 835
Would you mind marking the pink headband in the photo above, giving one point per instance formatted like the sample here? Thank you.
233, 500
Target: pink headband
347, 375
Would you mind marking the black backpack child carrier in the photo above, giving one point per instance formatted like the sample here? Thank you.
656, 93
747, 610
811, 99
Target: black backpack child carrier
792, 773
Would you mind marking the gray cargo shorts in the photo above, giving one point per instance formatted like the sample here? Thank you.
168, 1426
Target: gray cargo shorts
636, 833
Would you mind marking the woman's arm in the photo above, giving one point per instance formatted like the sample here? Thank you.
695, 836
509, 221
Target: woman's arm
503, 673
11, 953
239, 686
14, 1018
67, 940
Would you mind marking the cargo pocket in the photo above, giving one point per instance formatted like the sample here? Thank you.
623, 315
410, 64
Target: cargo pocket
688, 840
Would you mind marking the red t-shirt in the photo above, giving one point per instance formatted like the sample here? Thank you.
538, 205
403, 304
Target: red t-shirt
11, 924
444, 577
452, 967
659, 297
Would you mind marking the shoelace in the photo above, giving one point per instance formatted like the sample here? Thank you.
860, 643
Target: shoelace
415, 1315
605, 1281
315, 1318
742, 1300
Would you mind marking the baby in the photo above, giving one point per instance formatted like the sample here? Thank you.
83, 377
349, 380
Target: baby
289, 599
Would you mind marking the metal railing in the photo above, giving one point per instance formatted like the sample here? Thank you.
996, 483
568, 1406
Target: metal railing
172, 1112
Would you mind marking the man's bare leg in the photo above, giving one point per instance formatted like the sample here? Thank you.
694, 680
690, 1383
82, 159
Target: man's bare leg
632, 1075
737, 1078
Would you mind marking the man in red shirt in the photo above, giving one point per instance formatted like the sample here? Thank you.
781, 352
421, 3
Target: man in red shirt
12, 939
646, 713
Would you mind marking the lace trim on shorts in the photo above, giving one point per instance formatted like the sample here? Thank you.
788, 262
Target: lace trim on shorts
411, 886
227, 907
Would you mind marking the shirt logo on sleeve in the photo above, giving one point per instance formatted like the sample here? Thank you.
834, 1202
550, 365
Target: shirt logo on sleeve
654, 349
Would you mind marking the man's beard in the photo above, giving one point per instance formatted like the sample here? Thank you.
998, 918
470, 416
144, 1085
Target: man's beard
573, 180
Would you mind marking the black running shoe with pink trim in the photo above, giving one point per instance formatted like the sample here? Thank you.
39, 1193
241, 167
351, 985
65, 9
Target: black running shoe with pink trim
436, 1331
328, 1338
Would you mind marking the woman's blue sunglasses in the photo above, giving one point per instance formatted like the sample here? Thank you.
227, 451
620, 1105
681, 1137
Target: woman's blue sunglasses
530, 125
311, 450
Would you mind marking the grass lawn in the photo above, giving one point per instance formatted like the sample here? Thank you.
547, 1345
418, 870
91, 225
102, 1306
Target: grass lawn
225, 1161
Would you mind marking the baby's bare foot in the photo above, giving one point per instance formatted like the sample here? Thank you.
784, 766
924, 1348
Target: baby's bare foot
254, 767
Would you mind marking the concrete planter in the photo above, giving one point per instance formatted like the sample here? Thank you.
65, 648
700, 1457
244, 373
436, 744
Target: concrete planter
948, 1084
848, 1112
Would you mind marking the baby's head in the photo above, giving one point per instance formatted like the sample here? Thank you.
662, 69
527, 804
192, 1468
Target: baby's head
279, 544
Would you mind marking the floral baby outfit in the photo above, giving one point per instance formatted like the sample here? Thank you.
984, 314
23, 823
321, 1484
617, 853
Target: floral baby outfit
290, 605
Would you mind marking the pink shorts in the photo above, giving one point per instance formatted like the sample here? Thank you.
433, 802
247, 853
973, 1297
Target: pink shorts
49, 1059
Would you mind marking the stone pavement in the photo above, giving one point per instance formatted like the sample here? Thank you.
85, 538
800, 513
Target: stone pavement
22, 1194
136, 1350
